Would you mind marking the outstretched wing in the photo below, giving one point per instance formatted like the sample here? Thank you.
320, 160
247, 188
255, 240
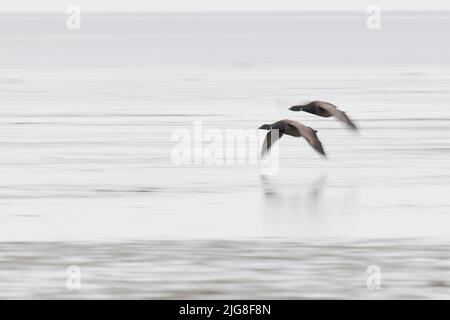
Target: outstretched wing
271, 137
334, 111
309, 134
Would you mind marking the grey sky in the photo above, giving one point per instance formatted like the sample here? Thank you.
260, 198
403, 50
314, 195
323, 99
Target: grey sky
218, 5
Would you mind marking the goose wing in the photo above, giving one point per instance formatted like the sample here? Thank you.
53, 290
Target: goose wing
271, 137
334, 111
309, 134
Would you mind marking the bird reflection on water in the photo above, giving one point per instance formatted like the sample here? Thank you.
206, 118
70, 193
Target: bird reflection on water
286, 206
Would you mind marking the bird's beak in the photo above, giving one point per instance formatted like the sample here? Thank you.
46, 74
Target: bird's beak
295, 108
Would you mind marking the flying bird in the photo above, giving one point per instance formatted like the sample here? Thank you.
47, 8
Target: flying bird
290, 128
325, 109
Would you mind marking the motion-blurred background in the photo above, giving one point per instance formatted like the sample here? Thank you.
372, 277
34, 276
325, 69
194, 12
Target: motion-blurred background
86, 118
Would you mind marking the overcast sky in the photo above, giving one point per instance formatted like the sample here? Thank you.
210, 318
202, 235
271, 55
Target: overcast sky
218, 5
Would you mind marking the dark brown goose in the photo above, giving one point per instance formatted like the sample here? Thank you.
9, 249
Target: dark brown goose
290, 128
325, 109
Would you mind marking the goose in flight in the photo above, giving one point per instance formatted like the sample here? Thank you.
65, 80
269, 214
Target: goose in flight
290, 128
325, 109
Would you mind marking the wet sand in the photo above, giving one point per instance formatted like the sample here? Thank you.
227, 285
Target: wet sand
410, 269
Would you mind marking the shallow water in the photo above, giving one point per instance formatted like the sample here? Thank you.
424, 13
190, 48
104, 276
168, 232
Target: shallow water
226, 270
86, 120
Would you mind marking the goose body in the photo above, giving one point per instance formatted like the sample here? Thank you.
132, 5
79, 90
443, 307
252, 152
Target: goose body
326, 110
291, 128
